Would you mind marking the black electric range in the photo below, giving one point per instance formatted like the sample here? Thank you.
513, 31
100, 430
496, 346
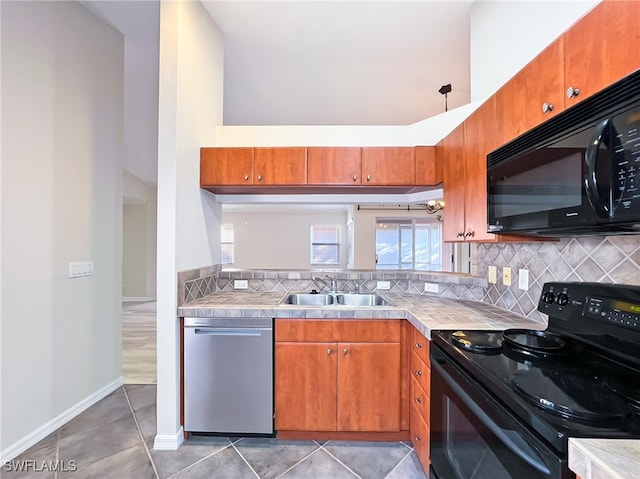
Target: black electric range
580, 377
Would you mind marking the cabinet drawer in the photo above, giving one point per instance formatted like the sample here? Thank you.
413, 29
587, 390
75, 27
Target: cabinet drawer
420, 400
341, 330
420, 345
419, 431
421, 372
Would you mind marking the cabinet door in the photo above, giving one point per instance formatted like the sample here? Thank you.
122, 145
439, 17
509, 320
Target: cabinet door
519, 103
305, 386
368, 387
428, 172
602, 47
334, 165
226, 166
450, 153
389, 166
480, 138
280, 166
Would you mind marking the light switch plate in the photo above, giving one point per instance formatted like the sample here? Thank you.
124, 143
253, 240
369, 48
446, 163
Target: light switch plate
493, 274
506, 276
80, 268
383, 285
240, 284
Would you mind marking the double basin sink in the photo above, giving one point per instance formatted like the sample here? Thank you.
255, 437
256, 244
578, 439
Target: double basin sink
334, 299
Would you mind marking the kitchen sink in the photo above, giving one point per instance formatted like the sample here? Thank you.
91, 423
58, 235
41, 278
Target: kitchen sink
352, 299
335, 299
308, 299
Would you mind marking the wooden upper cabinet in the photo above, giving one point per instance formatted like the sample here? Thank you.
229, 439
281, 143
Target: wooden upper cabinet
388, 166
280, 166
602, 47
533, 95
428, 171
480, 136
339, 166
226, 166
450, 154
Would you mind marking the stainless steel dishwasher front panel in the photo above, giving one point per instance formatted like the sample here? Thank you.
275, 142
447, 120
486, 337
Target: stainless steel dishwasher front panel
228, 375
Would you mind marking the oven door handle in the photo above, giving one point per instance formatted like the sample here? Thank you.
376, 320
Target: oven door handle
500, 433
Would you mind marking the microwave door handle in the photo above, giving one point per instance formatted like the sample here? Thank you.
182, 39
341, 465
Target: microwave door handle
590, 180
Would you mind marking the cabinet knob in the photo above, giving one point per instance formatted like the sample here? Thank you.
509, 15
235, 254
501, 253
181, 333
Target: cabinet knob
469, 234
329, 351
418, 400
246, 177
345, 351
417, 438
547, 107
460, 234
368, 177
259, 177
418, 345
355, 177
418, 373
572, 92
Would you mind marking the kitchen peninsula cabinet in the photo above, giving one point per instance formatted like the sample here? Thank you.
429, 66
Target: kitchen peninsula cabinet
339, 166
253, 166
388, 166
338, 375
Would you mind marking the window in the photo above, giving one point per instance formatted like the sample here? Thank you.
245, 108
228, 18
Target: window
325, 244
226, 243
408, 243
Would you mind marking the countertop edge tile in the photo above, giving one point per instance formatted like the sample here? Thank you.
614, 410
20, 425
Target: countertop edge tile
605, 458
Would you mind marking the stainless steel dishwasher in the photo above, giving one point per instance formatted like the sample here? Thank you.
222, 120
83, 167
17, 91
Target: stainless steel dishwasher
228, 375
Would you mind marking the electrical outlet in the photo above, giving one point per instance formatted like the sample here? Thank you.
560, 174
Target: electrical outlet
506, 276
523, 279
431, 287
240, 284
383, 285
493, 274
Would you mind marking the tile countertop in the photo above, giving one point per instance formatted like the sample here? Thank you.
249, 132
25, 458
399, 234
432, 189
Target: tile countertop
425, 312
605, 458
589, 458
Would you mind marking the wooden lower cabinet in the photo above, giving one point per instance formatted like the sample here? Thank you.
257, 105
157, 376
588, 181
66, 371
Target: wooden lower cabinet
327, 379
419, 417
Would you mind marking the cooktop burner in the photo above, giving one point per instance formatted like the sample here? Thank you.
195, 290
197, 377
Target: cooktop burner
571, 394
478, 341
534, 342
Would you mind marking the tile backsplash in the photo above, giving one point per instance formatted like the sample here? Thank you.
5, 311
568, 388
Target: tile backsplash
610, 259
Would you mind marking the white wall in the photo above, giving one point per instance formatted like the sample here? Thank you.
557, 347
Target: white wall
139, 238
61, 177
275, 239
190, 108
506, 35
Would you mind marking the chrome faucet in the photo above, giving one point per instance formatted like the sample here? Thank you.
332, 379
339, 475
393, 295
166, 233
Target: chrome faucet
356, 286
334, 284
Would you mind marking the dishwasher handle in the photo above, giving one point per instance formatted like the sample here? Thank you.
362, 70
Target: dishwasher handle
230, 331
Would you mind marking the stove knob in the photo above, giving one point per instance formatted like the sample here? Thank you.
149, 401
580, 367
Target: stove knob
562, 299
548, 297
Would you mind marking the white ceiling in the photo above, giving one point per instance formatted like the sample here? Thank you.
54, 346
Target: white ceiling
302, 62
342, 62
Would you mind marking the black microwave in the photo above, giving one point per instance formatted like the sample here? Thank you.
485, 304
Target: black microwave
577, 173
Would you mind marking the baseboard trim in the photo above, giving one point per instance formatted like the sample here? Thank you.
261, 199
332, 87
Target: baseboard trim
138, 299
169, 442
43, 431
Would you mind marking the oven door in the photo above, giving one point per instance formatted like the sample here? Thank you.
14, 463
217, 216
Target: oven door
475, 437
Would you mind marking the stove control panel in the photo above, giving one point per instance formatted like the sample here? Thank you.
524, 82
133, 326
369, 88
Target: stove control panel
614, 311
